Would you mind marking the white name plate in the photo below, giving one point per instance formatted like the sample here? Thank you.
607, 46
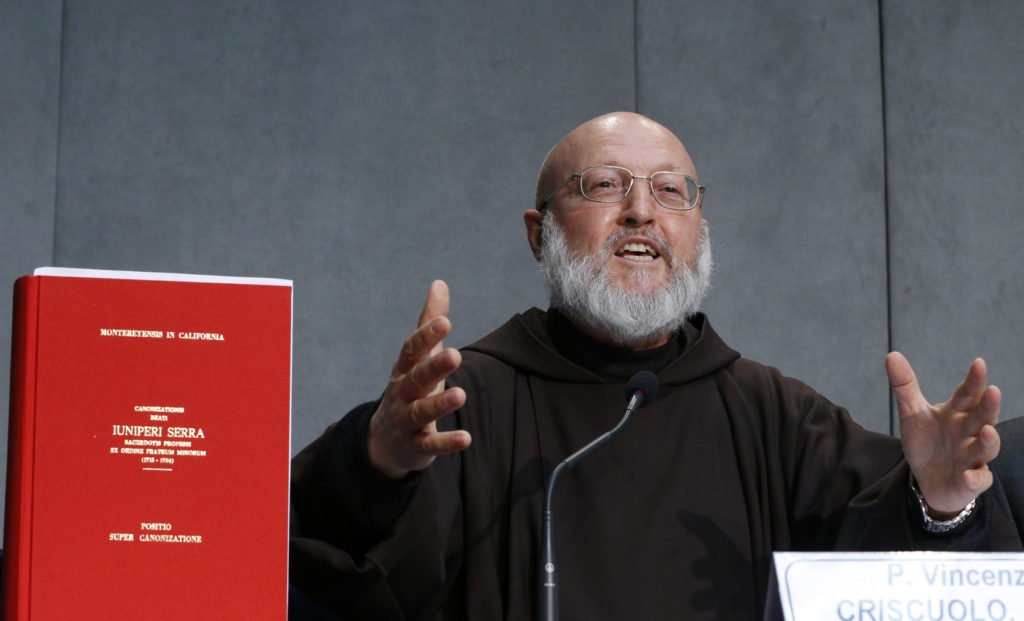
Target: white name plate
901, 586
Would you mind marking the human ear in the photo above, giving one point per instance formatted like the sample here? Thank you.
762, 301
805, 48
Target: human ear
532, 218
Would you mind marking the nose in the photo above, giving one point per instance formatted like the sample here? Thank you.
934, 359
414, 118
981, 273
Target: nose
639, 207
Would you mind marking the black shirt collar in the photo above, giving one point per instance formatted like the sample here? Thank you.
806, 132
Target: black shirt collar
608, 360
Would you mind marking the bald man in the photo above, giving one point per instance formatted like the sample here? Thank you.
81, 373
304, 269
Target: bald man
427, 503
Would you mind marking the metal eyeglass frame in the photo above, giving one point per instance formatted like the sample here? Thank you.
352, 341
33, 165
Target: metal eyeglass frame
650, 181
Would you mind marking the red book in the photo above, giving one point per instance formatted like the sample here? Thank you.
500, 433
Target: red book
149, 447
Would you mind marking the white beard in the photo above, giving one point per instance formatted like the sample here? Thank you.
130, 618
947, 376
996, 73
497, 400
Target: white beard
580, 286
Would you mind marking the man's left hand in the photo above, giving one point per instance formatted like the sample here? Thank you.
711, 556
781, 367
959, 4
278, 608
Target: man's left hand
949, 445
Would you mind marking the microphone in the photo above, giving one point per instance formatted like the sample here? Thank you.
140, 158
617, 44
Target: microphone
641, 390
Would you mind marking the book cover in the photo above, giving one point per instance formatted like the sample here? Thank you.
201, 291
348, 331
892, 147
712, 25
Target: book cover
149, 447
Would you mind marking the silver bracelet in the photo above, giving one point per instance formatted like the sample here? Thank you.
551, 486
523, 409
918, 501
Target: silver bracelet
936, 526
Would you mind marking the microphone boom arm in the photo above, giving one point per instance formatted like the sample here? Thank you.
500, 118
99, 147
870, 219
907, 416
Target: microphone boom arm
548, 595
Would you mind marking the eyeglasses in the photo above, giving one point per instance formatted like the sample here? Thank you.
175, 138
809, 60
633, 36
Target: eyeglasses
611, 184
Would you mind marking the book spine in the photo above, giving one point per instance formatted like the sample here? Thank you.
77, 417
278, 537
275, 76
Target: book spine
18, 510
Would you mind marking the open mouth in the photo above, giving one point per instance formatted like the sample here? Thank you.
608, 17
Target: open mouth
637, 251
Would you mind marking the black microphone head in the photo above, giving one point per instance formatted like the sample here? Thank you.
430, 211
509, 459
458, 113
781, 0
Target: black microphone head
645, 383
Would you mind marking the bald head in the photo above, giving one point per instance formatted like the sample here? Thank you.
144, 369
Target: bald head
606, 140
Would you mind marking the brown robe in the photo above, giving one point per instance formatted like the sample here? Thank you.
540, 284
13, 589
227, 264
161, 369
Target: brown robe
676, 518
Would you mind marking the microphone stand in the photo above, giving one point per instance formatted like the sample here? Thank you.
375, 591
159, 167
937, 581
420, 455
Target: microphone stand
548, 591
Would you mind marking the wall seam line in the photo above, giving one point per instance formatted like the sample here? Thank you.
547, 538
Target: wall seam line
636, 56
60, 125
885, 207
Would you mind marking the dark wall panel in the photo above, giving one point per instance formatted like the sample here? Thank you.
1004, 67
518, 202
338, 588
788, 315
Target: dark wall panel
781, 108
954, 96
29, 103
359, 149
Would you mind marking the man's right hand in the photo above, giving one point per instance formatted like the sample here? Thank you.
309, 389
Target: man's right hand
403, 433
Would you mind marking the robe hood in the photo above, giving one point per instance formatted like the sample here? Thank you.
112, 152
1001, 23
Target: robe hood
525, 342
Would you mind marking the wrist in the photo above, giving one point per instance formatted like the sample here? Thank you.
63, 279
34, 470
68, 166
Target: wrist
939, 521
381, 466
376, 460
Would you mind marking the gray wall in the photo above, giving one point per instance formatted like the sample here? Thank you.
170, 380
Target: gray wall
863, 162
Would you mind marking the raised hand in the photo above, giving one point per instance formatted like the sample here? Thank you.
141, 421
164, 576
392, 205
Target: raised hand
949, 445
403, 433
